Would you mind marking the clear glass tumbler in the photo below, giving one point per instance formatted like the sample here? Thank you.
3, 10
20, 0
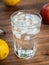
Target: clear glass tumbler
25, 28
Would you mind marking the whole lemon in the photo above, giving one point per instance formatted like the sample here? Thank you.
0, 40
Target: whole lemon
11, 2
4, 49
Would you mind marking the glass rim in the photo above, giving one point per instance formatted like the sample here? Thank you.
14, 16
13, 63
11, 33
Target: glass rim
25, 10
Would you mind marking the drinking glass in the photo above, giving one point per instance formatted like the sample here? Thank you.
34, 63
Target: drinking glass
25, 28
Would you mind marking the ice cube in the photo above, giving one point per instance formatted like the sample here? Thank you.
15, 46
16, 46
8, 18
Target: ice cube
28, 16
23, 32
35, 22
27, 38
35, 19
17, 34
23, 23
15, 20
33, 31
21, 16
28, 22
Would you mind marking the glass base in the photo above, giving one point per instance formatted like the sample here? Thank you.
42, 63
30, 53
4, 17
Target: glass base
25, 53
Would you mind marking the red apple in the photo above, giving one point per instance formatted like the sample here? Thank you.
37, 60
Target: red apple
45, 13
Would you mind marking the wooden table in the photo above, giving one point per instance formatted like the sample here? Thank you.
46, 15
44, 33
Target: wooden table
42, 55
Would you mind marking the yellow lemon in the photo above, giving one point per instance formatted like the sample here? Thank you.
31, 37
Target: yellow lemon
4, 49
11, 2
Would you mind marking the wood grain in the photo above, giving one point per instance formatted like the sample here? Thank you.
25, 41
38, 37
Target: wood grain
41, 57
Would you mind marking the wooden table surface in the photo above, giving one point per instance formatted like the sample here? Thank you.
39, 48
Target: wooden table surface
42, 54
